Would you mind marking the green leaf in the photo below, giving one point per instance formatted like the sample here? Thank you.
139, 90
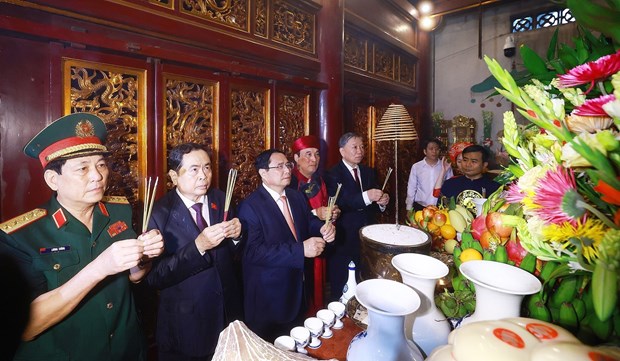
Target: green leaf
581, 51
552, 45
557, 66
568, 56
604, 291
532, 61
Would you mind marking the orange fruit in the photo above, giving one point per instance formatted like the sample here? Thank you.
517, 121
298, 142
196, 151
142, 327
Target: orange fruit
432, 228
470, 254
419, 217
447, 231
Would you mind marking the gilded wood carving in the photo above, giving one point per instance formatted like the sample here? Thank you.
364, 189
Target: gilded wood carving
165, 3
191, 114
233, 13
293, 26
383, 62
260, 26
355, 52
117, 95
407, 71
250, 129
292, 120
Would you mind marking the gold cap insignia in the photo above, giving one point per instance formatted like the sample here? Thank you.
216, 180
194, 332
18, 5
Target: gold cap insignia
84, 128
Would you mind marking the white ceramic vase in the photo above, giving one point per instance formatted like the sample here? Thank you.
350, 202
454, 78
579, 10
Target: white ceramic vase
387, 302
421, 272
500, 288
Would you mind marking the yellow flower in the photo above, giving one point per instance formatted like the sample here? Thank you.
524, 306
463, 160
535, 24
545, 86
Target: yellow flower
586, 236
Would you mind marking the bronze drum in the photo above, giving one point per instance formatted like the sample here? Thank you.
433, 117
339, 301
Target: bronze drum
381, 242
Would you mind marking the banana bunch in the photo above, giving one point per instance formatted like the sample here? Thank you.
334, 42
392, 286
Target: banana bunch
568, 302
461, 302
460, 217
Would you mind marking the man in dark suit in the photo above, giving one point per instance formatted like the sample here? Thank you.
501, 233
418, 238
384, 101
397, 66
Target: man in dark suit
279, 231
359, 201
200, 293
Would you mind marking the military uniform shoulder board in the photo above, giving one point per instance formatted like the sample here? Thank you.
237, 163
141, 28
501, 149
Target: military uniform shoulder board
23, 220
115, 199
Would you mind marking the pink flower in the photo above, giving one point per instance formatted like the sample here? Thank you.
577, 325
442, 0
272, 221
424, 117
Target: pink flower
558, 198
514, 194
594, 107
592, 71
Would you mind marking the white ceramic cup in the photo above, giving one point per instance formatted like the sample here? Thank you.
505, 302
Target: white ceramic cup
301, 335
328, 318
338, 308
315, 326
286, 343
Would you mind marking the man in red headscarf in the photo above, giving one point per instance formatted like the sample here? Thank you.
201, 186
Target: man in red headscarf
307, 180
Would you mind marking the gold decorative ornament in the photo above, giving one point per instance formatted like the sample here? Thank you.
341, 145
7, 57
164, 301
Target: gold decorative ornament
465, 199
84, 129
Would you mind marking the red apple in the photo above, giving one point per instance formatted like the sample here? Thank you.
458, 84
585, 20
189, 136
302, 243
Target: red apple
439, 218
429, 212
495, 224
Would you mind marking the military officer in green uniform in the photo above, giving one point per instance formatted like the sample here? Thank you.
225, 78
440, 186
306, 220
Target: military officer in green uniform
79, 252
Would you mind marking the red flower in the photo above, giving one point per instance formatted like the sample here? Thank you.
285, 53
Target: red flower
592, 71
594, 107
610, 194
213, 206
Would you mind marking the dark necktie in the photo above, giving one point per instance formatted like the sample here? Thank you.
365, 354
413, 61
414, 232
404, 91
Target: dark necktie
200, 220
357, 178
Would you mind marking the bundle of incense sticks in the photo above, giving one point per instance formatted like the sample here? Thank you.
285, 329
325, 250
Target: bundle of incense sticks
331, 202
149, 199
389, 173
230, 186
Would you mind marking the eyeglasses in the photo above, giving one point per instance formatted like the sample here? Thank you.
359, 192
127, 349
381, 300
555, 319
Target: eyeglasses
281, 166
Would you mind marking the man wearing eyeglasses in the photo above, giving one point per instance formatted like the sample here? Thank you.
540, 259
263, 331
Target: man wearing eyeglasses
280, 231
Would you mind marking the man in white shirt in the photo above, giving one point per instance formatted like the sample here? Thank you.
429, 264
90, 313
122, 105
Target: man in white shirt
423, 177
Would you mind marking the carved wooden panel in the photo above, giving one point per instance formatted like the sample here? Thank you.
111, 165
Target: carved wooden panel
407, 71
165, 3
355, 52
362, 125
117, 95
260, 25
232, 13
191, 114
373, 58
293, 26
384, 62
249, 134
292, 119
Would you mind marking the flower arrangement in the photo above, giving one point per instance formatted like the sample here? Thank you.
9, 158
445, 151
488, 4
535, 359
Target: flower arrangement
565, 173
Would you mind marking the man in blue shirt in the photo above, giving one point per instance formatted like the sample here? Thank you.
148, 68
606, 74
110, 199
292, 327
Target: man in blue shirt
475, 160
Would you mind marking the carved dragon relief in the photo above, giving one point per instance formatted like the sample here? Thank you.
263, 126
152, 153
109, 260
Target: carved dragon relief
250, 129
233, 13
293, 27
292, 120
115, 94
191, 114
